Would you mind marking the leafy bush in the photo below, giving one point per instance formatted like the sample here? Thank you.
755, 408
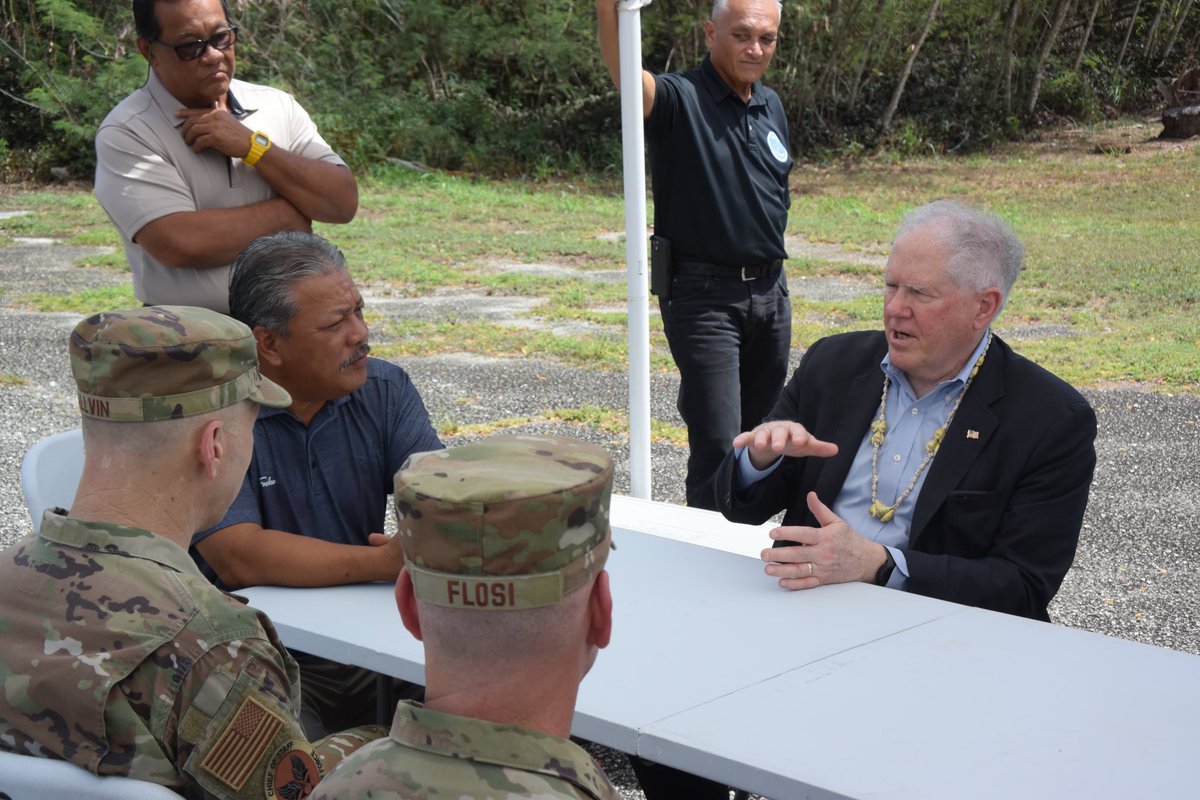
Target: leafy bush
517, 87
1068, 94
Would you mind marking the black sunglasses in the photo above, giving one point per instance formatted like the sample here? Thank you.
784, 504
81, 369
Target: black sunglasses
193, 50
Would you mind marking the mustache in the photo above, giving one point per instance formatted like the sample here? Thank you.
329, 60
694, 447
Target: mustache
362, 351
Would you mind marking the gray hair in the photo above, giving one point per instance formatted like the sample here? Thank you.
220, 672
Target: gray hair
719, 7
984, 250
265, 272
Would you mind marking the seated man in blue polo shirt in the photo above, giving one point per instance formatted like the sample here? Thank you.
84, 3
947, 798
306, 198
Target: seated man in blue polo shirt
311, 509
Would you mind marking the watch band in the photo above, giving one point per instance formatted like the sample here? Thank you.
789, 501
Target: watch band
885, 569
260, 143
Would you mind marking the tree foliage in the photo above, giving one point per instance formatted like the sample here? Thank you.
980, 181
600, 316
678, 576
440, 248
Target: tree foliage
517, 86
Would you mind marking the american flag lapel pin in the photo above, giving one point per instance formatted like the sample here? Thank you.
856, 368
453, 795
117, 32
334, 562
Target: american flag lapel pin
972, 434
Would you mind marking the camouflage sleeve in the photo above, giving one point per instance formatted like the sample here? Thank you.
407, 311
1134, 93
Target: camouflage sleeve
336, 746
237, 732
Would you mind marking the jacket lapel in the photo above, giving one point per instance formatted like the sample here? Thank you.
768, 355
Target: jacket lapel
860, 407
968, 436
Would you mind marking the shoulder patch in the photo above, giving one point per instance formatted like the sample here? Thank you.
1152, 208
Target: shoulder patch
242, 744
293, 772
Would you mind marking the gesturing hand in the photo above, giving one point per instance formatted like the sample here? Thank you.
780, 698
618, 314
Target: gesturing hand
781, 437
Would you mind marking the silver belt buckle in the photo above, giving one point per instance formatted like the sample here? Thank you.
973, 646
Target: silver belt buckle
747, 278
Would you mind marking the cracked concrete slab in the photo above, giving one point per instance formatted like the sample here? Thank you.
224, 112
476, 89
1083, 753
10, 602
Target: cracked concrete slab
26, 268
560, 271
832, 288
451, 305
799, 247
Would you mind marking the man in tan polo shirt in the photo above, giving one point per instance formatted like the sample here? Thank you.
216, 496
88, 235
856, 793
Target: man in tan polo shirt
195, 165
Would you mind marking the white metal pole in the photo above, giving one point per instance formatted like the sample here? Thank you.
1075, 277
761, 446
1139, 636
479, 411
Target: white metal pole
629, 28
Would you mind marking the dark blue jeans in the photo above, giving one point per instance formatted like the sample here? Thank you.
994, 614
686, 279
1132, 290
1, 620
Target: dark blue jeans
730, 340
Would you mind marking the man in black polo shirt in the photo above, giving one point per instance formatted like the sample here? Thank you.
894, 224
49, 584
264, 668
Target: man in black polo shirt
719, 163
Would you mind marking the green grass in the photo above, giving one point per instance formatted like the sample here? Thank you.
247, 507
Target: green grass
422, 230
70, 215
610, 420
1110, 242
83, 302
1111, 253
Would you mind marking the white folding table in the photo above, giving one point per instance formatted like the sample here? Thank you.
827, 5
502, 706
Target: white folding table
843, 691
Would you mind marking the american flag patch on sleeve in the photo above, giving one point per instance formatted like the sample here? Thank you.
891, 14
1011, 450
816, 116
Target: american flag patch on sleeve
242, 744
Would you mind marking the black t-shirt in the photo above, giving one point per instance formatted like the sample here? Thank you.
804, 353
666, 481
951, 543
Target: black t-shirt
719, 169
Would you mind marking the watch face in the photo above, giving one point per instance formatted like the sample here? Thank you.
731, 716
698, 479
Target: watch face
261, 140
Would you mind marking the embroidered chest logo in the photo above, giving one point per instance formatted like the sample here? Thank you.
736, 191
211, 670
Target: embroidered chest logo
266, 480
777, 149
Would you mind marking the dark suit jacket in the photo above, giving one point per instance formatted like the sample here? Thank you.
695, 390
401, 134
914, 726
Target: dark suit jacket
998, 517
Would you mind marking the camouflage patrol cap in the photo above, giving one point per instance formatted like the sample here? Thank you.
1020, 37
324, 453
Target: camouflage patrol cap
507, 523
166, 362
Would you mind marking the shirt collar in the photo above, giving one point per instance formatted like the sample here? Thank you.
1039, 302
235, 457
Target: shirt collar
235, 107
330, 405
718, 89
899, 377
476, 739
268, 411
168, 104
107, 537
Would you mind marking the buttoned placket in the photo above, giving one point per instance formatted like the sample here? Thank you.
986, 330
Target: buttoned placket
897, 462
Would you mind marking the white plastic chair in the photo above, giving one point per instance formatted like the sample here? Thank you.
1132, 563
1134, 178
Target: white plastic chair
30, 778
50, 473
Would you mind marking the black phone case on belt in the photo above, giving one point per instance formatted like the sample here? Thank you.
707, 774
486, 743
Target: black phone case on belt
660, 267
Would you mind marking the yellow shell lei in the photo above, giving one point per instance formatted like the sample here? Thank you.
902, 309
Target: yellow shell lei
878, 510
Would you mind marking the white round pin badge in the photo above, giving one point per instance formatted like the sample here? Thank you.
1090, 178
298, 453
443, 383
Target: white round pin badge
777, 149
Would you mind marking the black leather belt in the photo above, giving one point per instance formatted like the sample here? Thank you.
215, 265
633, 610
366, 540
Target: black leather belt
717, 271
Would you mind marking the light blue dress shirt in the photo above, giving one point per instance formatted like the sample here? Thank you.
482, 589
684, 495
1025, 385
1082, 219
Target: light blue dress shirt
911, 423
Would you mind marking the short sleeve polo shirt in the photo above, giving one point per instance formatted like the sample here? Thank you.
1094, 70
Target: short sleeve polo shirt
719, 169
145, 170
330, 479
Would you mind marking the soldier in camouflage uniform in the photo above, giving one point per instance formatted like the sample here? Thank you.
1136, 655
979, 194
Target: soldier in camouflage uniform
118, 654
505, 543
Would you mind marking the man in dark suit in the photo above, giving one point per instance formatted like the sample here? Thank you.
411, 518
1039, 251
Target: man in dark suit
928, 457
